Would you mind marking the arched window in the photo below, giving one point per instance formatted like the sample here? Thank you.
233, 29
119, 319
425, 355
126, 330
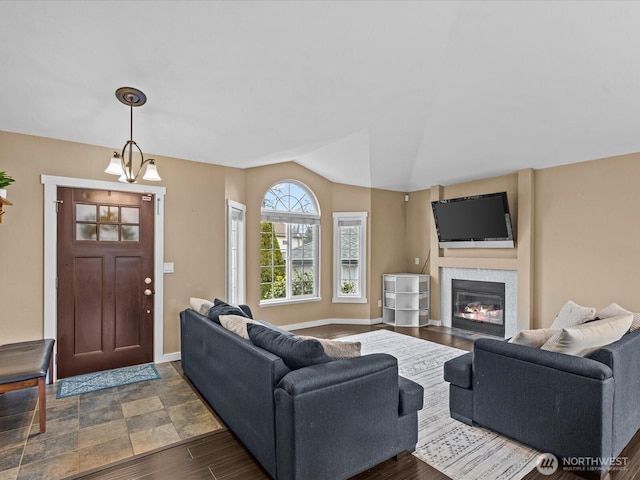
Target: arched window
289, 243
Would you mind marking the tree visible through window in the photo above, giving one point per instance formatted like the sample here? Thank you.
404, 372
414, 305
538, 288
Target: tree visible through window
274, 270
289, 243
349, 250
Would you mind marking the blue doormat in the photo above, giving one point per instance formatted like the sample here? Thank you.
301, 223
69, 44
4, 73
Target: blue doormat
91, 382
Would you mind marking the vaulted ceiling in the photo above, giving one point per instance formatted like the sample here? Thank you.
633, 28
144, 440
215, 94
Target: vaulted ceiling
387, 94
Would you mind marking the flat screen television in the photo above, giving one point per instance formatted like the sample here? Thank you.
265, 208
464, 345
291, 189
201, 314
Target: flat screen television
480, 221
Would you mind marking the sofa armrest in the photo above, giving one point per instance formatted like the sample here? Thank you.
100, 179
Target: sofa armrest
337, 419
324, 375
623, 357
411, 398
554, 402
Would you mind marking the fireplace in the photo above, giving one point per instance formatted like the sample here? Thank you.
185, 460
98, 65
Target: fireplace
478, 306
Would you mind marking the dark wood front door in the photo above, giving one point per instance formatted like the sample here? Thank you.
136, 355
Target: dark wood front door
105, 280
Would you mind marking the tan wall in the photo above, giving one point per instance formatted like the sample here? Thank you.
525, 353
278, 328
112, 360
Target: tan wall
418, 230
235, 185
388, 253
586, 241
193, 238
584, 247
194, 232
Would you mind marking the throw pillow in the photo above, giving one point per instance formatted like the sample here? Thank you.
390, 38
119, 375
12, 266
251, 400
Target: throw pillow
336, 348
236, 324
583, 340
273, 327
573, 314
223, 308
294, 351
534, 338
200, 305
614, 310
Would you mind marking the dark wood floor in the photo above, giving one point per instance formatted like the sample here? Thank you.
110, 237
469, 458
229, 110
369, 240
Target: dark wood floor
221, 456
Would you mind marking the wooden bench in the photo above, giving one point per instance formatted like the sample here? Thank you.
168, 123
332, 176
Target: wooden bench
24, 365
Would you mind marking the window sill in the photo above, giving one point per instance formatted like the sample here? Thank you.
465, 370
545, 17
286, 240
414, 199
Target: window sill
288, 301
349, 300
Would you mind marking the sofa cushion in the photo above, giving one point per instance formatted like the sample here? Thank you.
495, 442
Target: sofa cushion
294, 351
615, 310
336, 348
534, 338
411, 396
200, 305
224, 308
583, 340
236, 324
573, 314
458, 371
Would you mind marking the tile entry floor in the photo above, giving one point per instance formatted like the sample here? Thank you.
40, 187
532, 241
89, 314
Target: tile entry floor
94, 429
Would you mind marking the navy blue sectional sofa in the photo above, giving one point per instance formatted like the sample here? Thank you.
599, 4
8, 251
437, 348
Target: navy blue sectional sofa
327, 421
562, 404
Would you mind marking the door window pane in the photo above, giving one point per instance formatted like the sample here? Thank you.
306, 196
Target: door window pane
107, 223
108, 213
86, 231
108, 233
85, 213
130, 215
130, 233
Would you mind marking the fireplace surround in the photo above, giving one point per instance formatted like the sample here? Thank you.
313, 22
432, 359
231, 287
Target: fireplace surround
508, 277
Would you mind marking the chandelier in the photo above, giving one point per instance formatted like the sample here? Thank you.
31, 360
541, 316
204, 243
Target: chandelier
122, 163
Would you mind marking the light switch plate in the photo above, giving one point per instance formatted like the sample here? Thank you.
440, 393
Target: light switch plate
168, 267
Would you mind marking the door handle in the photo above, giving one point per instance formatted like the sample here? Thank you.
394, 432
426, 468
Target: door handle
149, 292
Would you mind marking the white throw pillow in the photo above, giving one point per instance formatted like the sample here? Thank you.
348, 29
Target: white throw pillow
200, 305
572, 314
615, 310
338, 348
236, 324
534, 338
584, 339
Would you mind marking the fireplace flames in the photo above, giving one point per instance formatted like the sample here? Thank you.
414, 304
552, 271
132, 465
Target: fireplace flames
479, 312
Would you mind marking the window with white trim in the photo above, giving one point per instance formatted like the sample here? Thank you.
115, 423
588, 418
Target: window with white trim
349, 257
235, 252
289, 244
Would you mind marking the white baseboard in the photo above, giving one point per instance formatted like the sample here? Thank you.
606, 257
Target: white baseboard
331, 321
435, 323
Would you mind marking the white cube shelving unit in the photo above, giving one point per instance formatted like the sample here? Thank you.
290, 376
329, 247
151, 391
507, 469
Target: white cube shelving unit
405, 299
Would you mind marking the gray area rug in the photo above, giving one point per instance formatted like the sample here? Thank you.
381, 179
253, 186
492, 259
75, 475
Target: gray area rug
457, 450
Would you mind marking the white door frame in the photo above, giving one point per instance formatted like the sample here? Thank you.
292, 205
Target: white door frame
51, 184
